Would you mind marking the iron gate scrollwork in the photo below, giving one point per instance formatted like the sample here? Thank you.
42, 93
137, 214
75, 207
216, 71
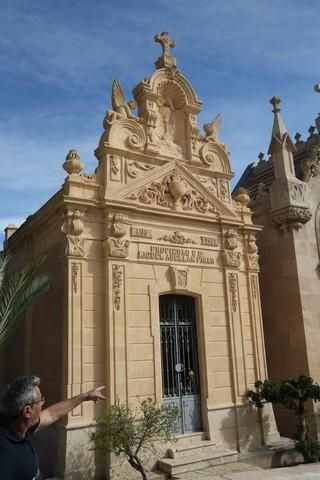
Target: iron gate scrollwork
179, 355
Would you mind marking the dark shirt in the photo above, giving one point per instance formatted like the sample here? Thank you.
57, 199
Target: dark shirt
18, 459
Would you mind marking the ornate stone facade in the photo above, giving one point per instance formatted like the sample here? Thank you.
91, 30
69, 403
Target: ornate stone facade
150, 240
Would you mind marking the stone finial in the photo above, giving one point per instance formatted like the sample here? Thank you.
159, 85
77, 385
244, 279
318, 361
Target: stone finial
275, 102
298, 138
73, 162
261, 157
166, 60
311, 131
317, 87
242, 196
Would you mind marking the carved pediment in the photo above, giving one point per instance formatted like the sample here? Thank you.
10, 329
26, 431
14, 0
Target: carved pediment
175, 188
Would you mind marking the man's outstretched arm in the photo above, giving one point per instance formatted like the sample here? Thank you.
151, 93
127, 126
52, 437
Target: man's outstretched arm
58, 410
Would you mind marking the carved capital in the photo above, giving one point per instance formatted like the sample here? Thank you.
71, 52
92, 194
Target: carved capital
75, 246
179, 276
231, 258
118, 248
290, 217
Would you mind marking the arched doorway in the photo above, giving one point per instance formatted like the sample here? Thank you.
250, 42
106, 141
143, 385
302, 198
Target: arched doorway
179, 356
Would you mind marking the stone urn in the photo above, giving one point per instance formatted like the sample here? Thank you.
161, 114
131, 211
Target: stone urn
177, 189
73, 163
242, 197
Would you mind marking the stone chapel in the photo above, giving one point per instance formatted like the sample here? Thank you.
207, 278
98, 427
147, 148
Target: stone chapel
285, 196
154, 282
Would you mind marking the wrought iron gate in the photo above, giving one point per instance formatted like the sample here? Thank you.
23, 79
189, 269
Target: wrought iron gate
180, 370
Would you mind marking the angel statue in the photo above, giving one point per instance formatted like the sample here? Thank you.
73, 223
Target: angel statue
212, 129
121, 108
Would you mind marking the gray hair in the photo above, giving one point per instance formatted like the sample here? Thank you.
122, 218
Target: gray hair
18, 393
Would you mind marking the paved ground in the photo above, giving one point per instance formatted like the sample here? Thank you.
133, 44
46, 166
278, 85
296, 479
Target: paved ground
310, 471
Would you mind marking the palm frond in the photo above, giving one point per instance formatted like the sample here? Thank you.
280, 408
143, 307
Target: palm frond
17, 293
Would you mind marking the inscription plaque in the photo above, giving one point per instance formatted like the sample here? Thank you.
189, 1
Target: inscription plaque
209, 241
141, 232
174, 254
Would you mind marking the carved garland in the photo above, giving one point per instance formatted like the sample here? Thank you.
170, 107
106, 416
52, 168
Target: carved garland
233, 286
173, 192
117, 282
75, 277
177, 237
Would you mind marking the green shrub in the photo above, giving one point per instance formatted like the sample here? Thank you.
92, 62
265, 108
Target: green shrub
131, 432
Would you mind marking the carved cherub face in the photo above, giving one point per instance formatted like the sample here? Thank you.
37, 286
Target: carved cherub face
132, 104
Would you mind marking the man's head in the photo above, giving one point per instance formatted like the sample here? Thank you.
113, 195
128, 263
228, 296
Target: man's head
21, 397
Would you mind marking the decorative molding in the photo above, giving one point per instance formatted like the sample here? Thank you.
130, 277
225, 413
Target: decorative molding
179, 276
209, 183
233, 287
117, 283
254, 287
177, 237
290, 217
224, 190
133, 168
75, 277
115, 168
173, 192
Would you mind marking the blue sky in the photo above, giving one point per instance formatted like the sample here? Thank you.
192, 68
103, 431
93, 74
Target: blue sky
58, 59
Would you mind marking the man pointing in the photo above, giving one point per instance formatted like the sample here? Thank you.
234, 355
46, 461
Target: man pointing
21, 414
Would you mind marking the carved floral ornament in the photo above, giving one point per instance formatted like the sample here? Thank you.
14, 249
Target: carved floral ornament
173, 192
73, 227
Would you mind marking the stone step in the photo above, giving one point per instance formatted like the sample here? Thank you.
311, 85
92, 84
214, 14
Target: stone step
196, 460
205, 446
157, 475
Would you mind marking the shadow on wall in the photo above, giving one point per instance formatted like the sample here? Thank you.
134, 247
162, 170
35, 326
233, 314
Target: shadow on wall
249, 435
82, 462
